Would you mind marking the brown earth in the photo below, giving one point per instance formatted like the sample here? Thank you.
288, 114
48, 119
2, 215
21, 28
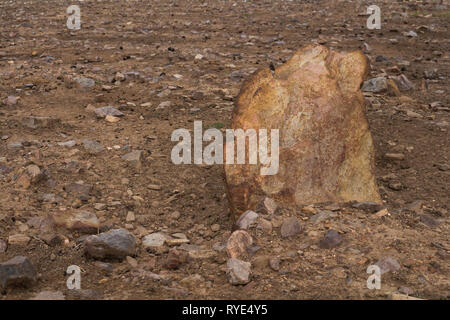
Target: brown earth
159, 40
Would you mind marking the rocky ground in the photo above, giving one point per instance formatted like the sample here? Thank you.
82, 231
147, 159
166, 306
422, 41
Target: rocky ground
70, 168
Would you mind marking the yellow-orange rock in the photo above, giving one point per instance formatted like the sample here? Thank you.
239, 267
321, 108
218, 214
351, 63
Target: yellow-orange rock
326, 151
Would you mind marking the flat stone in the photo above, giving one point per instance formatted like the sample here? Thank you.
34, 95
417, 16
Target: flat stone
331, 240
176, 242
156, 239
19, 271
107, 111
388, 264
78, 188
92, 146
19, 239
39, 122
81, 221
85, 83
394, 156
290, 227
238, 271
368, 206
67, 144
115, 244
246, 220
315, 93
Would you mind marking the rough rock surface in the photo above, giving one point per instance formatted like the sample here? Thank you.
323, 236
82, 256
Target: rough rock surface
326, 150
18, 271
114, 244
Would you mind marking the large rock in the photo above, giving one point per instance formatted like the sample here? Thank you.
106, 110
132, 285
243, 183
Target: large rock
326, 151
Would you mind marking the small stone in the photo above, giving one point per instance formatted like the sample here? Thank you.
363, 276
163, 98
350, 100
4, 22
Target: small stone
403, 83
405, 290
173, 260
176, 242
92, 146
246, 220
107, 111
274, 263
132, 261
130, 216
215, 227
23, 182
198, 57
290, 227
381, 213
411, 34
18, 239
387, 264
309, 210
368, 206
11, 100
331, 240
34, 173
85, 83
413, 114
107, 267
112, 119
115, 244
265, 225
164, 104
39, 122
18, 271
238, 244
238, 271
192, 281
134, 158
375, 85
